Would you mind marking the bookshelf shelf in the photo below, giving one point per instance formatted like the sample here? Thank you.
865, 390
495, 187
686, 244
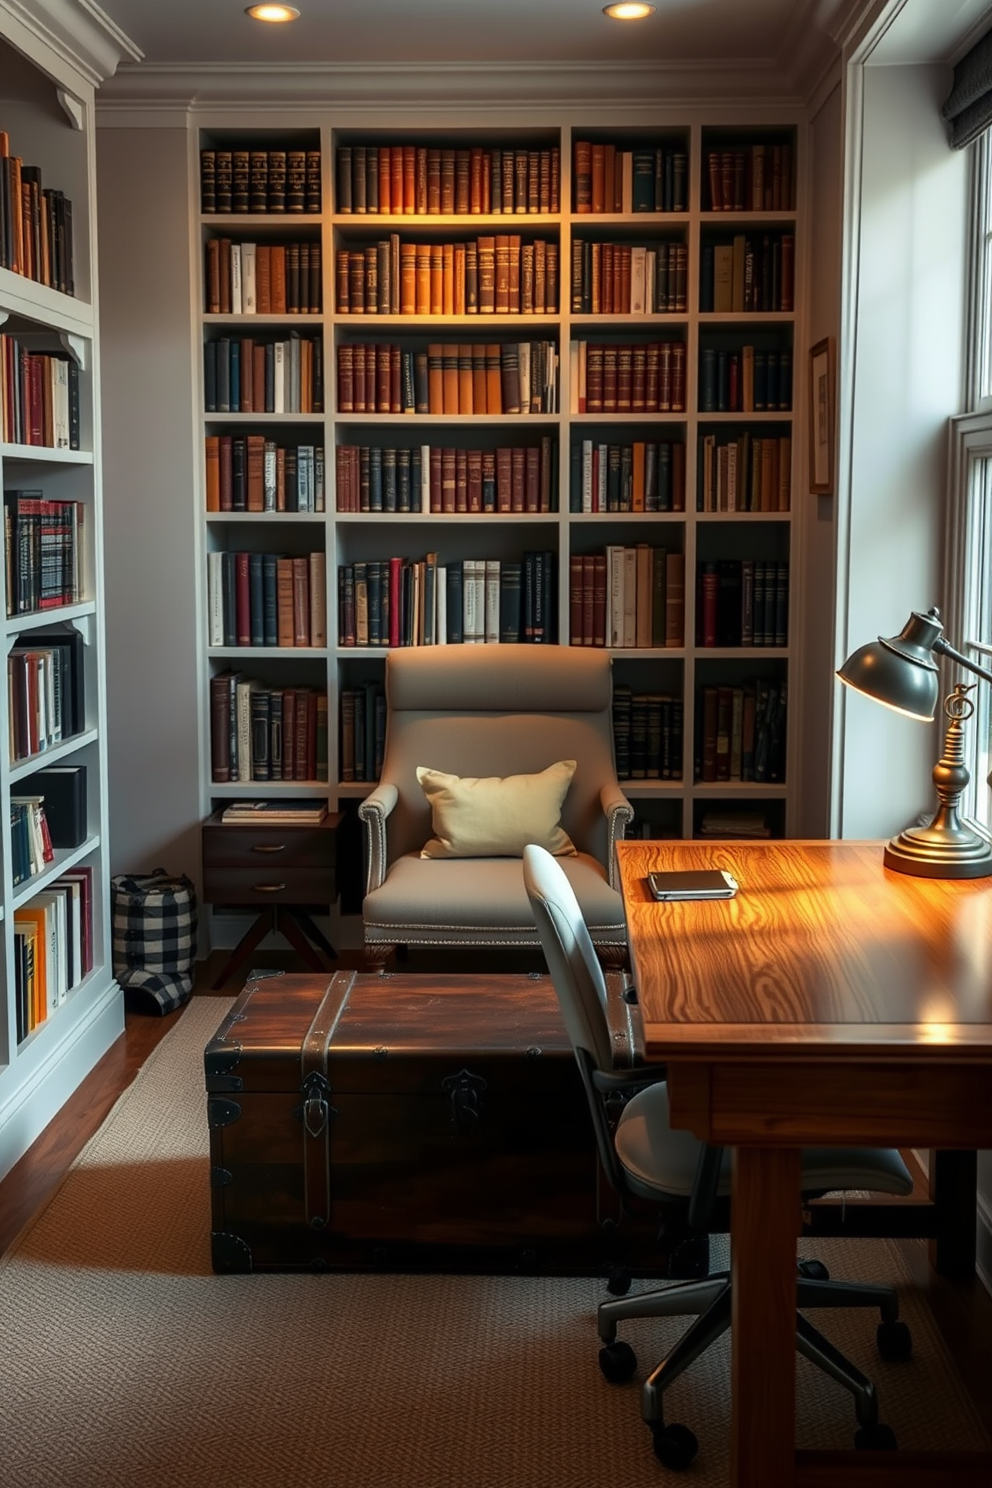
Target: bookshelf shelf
40, 454
683, 540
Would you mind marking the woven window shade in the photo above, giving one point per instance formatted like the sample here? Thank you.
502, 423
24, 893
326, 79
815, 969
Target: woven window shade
968, 108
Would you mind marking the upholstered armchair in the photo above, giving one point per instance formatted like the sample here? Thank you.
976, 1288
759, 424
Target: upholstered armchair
480, 711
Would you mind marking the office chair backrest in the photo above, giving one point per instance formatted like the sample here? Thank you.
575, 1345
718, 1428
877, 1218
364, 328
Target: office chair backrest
575, 971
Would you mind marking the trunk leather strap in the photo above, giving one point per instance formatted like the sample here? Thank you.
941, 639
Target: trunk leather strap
317, 1111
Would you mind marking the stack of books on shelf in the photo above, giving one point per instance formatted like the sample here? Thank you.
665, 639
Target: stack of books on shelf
363, 731
751, 380
647, 475
246, 375
749, 472
627, 598
39, 394
35, 224
741, 734
647, 734
45, 691
266, 733
748, 274
265, 599
629, 279
493, 274
431, 478
728, 823
251, 473
401, 602
753, 178
424, 180
243, 180
647, 178
41, 543
629, 377
455, 378
53, 947
262, 278
30, 839
743, 602
288, 813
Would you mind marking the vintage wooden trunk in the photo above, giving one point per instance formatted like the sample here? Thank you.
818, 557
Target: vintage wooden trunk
408, 1122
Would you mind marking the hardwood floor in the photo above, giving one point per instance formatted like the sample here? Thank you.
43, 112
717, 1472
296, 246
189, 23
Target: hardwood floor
962, 1310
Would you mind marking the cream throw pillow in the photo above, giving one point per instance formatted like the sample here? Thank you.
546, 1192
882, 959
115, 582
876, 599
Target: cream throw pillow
495, 817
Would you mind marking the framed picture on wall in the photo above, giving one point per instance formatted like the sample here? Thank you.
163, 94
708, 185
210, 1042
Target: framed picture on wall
821, 417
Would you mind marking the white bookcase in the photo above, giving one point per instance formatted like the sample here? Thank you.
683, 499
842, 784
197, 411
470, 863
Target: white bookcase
674, 805
46, 109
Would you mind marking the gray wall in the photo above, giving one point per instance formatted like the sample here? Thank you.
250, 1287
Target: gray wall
150, 525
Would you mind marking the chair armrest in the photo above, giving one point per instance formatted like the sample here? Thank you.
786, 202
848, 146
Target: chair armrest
373, 812
619, 814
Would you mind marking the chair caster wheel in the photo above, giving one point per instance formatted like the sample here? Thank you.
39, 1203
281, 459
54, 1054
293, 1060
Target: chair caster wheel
894, 1340
617, 1362
813, 1271
675, 1446
877, 1438
618, 1281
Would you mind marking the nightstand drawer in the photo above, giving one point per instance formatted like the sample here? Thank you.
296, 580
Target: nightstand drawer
269, 883
300, 860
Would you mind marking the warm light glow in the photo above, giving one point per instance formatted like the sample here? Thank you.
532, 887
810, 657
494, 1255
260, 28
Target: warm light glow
272, 12
628, 11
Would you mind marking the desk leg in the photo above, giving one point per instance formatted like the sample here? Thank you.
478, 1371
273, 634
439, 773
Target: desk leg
764, 1225
954, 1191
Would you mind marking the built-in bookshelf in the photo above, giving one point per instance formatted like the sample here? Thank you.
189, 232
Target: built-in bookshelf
61, 1008
544, 389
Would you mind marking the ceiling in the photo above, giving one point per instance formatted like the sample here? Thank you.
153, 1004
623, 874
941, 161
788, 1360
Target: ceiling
411, 31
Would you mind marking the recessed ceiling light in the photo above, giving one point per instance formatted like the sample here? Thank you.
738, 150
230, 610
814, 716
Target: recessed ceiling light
272, 12
629, 11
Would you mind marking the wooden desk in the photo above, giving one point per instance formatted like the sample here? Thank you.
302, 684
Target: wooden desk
831, 1002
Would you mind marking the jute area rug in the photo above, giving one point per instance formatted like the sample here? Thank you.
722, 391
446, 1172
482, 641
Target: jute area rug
126, 1363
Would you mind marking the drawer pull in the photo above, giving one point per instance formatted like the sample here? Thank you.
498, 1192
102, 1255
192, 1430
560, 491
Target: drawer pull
268, 888
268, 847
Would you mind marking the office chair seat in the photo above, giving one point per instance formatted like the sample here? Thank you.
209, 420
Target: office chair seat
646, 1158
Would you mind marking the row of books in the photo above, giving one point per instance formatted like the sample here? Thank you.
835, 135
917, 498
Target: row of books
363, 731
35, 224
647, 475
743, 602
423, 180
645, 179
44, 566
755, 178
470, 601
259, 732
508, 377
749, 380
46, 697
741, 732
749, 274
748, 473
39, 395
265, 599
628, 278
53, 947
247, 180
628, 377
627, 598
262, 278
429, 478
246, 375
30, 840
252, 473
489, 275
647, 734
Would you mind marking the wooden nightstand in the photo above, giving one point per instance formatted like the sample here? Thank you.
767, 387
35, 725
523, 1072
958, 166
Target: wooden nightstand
283, 871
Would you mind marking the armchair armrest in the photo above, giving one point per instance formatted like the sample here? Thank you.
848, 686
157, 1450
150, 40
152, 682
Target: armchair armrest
373, 812
619, 814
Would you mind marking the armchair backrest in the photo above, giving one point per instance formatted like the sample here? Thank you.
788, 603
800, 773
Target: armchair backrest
498, 710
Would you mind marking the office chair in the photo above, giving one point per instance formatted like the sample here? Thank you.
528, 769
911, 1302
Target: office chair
646, 1158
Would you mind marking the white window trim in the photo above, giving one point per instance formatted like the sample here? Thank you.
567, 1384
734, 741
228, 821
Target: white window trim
970, 442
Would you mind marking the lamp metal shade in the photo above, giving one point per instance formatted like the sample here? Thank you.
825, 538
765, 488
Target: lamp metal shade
899, 671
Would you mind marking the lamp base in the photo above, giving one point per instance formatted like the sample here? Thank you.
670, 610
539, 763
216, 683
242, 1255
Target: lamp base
940, 851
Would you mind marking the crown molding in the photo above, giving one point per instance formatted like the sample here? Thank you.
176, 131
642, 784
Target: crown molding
77, 32
443, 87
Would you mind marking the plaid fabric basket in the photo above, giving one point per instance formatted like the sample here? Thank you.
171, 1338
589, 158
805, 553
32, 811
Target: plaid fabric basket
154, 939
